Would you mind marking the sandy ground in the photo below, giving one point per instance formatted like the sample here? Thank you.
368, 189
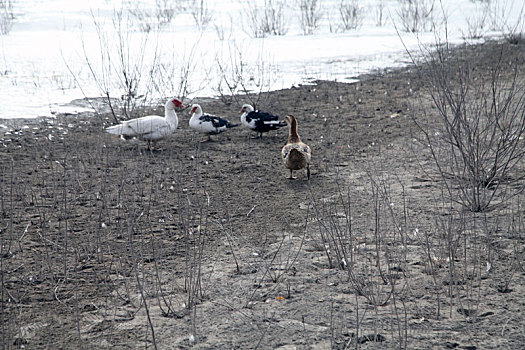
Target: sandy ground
209, 245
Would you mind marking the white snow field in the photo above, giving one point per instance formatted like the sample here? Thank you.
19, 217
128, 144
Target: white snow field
57, 51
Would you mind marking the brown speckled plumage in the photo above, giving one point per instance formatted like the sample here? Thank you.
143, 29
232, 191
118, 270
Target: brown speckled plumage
296, 154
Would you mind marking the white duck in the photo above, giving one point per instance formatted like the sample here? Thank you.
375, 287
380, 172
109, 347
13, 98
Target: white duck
296, 154
152, 127
207, 123
259, 121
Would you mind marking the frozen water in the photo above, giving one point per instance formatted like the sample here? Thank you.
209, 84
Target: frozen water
61, 50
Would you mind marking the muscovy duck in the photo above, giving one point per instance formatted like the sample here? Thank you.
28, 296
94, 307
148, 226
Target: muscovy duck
259, 121
151, 128
207, 123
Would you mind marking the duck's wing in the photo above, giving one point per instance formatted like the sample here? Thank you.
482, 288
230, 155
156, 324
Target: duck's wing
267, 125
267, 121
216, 121
261, 116
304, 147
306, 150
286, 151
142, 127
300, 147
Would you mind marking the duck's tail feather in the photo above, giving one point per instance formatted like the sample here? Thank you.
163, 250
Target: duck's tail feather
115, 129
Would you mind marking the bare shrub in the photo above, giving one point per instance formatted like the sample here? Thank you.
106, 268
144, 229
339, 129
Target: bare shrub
274, 17
311, 15
370, 245
480, 146
351, 14
6, 16
496, 15
201, 13
336, 236
416, 15
120, 65
171, 74
225, 29
139, 278
275, 261
380, 13
266, 20
219, 30
514, 32
154, 18
337, 224
240, 79
165, 10
504, 246
462, 249
478, 23
253, 23
448, 252
130, 70
499, 12
194, 221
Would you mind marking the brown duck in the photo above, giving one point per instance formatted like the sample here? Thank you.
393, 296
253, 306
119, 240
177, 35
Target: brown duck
296, 154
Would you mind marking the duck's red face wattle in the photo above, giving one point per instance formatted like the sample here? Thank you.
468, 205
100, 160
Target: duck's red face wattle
193, 109
178, 103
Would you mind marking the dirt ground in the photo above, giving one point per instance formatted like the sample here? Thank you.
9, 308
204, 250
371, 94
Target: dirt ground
209, 245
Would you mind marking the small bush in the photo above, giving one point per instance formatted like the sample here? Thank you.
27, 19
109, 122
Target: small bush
351, 14
380, 11
514, 32
202, 15
311, 14
241, 79
477, 24
159, 16
416, 15
266, 20
128, 65
6, 16
480, 148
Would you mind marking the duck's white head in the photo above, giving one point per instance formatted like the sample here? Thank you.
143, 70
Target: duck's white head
174, 103
246, 108
195, 108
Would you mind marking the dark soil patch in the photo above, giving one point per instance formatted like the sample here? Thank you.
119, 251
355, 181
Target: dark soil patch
103, 241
